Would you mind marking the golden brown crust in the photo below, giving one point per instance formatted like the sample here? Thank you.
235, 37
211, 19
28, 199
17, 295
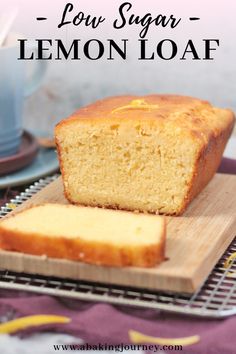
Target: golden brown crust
162, 107
208, 162
84, 251
102, 109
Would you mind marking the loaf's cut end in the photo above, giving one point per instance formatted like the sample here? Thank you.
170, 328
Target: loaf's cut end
153, 154
91, 235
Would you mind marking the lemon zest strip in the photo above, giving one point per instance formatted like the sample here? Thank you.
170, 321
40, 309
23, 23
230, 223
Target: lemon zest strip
228, 262
137, 338
136, 104
11, 205
28, 321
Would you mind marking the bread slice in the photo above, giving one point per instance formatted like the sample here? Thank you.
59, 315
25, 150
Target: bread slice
152, 153
91, 235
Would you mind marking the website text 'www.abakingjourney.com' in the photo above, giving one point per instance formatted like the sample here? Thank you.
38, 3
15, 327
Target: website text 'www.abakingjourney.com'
119, 348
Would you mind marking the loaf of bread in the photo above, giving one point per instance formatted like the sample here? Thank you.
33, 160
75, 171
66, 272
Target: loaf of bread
91, 235
152, 154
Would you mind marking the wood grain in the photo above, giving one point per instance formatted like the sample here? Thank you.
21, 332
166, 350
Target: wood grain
195, 241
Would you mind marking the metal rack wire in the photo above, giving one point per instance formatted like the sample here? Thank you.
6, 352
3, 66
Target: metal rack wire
216, 298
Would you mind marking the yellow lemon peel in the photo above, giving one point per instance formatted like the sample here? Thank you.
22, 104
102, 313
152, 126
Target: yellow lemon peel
29, 321
11, 205
228, 262
136, 104
138, 338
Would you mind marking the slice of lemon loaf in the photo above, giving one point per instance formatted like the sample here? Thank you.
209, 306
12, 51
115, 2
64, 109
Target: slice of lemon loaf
152, 153
91, 235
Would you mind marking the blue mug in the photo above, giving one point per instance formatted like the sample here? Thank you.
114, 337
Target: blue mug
14, 87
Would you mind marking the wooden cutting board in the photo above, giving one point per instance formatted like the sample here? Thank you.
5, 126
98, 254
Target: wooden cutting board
195, 241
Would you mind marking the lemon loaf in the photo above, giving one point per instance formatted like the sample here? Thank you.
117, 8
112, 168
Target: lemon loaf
91, 235
152, 154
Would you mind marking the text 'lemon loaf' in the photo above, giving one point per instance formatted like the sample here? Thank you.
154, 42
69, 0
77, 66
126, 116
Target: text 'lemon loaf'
91, 235
152, 153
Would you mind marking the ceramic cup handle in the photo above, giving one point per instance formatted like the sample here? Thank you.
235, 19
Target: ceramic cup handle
37, 76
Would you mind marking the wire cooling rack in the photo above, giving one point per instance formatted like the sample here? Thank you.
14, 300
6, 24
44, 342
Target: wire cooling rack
216, 298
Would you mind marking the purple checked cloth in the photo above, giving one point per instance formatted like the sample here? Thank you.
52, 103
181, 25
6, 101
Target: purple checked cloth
103, 323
